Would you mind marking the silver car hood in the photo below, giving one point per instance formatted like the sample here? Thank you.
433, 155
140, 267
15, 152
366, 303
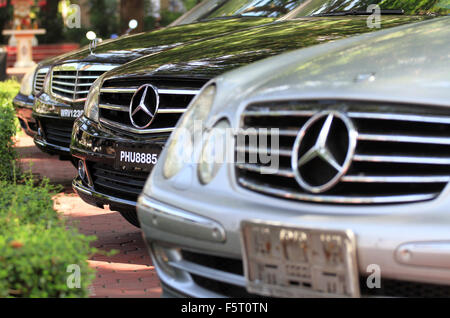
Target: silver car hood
408, 64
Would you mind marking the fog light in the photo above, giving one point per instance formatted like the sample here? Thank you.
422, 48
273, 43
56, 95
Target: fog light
163, 256
82, 170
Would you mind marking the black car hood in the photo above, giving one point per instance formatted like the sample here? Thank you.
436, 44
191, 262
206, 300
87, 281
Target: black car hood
212, 57
131, 47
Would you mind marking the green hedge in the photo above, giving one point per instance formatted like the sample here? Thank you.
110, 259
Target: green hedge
37, 248
8, 128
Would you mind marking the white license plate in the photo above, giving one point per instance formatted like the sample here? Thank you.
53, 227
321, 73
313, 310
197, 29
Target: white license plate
71, 113
286, 261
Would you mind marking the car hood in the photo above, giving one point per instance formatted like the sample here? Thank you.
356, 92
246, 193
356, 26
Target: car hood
408, 64
212, 57
128, 48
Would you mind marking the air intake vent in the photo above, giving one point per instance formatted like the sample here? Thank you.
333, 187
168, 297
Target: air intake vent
71, 82
39, 79
401, 153
174, 95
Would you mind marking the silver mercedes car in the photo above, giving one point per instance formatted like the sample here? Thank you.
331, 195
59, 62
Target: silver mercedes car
322, 172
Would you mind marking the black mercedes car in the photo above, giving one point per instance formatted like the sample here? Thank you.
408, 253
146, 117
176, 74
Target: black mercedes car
62, 84
33, 81
131, 110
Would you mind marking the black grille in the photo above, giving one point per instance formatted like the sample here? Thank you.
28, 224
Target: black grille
389, 287
124, 185
402, 152
174, 97
57, 132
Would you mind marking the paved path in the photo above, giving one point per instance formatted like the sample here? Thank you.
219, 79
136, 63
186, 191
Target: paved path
129, 273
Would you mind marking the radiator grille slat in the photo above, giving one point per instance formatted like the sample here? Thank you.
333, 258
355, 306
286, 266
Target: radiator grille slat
402, 152
39, 79
71, 82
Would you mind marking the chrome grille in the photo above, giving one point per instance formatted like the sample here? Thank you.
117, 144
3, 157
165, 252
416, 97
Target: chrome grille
174, 97
71, 82
39, 79
402, 152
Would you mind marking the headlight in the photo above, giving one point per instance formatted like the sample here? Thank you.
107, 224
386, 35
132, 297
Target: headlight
213, 154
91, 104
181, 142
26, 86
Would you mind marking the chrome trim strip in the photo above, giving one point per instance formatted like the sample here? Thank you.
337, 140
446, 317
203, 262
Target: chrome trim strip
62, 90
171, 110
255, 131
400, 138
337, 199
178, 221
266, 170
263, 113
134, 130
402, 159
44, 143
401, 117
72, 84
396, 179
208, 272
132, 90
280, 152
78, 186
126, 109
114, 107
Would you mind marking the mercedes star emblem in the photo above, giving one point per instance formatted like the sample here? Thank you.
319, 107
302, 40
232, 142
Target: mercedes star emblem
144, 105
323, 151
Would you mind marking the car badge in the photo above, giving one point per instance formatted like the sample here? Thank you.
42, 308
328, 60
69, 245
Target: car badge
323, 151
144, 106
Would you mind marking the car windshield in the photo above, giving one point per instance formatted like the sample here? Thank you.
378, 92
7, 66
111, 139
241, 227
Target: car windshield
258, 8
336, 7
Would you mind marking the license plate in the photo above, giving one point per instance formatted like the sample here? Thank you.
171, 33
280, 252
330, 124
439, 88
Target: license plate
137, 158
71, 113
286, 261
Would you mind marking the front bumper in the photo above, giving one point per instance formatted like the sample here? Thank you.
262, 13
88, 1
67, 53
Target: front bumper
96, 146
54, 132
24, 110
412, 250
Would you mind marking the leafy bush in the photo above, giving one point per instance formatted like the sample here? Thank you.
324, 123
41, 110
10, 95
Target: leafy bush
8, 128
36, 246
34, 260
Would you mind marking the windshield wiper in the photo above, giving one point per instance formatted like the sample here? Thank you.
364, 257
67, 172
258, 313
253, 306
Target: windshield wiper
360, 12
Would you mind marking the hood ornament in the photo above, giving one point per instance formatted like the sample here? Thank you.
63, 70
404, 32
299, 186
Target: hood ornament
91, 36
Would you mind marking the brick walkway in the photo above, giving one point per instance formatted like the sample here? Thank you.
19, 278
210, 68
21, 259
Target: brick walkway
129, 273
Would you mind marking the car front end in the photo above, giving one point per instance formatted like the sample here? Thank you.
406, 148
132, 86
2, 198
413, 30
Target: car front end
70, 76
346, 193
172, 78
23, 102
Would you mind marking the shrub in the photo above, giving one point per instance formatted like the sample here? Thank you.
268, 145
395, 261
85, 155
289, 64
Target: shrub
36, 248
35, 259
8, 128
